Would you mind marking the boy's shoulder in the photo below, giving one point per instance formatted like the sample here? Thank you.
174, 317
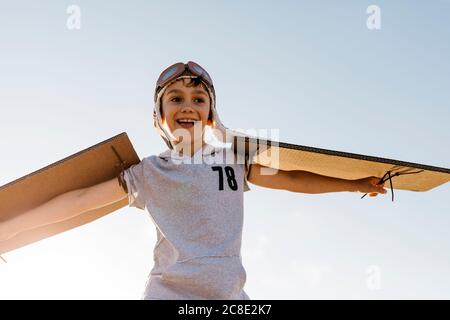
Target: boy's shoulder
209, 151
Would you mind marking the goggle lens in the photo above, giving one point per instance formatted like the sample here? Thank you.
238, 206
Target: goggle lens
169, 73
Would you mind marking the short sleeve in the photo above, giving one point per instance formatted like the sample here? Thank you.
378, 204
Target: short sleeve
135, 182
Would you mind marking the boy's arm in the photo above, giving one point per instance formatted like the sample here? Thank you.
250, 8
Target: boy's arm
308, 182
63, 207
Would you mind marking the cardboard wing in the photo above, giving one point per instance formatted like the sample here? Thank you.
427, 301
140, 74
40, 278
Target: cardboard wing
88, 167
338, 164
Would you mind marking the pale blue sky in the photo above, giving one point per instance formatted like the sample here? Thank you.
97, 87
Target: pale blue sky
311, 69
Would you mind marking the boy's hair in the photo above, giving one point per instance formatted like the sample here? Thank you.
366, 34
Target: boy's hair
193, 82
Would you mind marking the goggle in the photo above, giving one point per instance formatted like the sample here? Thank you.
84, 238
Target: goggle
177, 69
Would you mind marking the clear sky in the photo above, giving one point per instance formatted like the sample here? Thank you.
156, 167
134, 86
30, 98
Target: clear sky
311, 69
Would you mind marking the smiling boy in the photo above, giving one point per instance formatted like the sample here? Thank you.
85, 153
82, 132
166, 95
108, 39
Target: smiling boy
197, 208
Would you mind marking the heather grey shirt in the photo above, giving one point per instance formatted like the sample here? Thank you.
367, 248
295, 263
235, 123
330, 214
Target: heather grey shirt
197, 209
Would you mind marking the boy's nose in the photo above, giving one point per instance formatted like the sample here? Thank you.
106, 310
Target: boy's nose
187, 107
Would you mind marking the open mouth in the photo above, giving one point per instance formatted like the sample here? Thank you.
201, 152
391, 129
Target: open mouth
186, 123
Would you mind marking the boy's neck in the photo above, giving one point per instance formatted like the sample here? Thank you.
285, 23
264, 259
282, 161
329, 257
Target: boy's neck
189, 151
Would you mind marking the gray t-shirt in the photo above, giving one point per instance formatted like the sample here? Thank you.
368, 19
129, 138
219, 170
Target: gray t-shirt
196, 205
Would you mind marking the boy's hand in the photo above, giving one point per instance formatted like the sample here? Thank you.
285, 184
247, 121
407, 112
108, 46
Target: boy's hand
369, 185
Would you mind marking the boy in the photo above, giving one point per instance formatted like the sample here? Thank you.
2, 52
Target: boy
197, 207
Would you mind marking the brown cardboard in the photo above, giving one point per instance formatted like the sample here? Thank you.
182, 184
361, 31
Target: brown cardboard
88, 167
100, 163
338, 164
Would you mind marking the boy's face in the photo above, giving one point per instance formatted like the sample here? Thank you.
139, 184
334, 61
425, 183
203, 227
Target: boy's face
191, 104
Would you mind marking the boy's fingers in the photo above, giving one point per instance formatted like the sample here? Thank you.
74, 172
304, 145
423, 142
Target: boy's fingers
375, 181
379, 190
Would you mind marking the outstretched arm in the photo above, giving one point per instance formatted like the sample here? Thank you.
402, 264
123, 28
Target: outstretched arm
308, 182
64, 207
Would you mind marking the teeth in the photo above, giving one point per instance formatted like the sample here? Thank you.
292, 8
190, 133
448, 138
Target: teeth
186, 120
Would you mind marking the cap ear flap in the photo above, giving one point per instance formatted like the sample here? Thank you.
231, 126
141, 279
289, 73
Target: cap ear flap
161, 112
210, 117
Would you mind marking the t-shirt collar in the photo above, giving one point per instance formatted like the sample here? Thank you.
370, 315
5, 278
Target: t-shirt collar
206, 151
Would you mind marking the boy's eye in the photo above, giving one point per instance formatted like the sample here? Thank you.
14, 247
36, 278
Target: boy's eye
178, 99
